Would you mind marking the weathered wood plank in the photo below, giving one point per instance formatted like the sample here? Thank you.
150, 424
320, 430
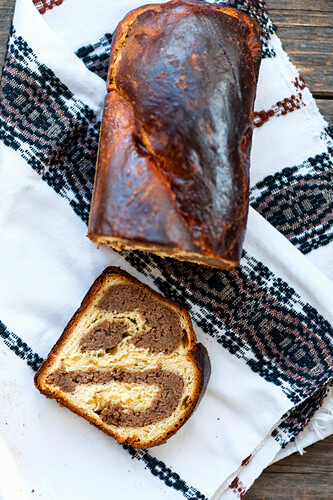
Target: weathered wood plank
292, 486
6, 14
308, 39
316, 454
307, 477
306, 31
326, 108
304, 5
295, 18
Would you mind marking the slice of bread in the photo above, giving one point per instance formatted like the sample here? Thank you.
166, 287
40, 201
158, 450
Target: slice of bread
127, 362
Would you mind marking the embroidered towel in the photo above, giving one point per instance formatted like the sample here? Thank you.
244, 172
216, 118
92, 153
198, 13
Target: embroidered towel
266, 325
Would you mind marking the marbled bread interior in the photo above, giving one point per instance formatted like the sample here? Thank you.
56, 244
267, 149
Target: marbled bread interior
127, 362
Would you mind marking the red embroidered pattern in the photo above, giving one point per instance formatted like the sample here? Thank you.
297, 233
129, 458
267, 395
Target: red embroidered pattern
246, 460
238, 487
299, 83
287, 105
43, 5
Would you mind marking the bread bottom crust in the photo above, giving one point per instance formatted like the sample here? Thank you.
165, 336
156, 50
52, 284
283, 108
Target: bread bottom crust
164, 251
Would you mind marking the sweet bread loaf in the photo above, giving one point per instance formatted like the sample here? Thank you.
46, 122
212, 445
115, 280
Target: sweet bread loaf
127, 362
173, 165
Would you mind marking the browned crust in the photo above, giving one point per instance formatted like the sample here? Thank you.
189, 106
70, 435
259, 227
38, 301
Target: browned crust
196, 353
152, 241
124, 25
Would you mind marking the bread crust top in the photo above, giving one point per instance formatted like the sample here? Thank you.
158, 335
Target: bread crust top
177, 128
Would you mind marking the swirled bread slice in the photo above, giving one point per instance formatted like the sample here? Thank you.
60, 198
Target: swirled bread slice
127, 362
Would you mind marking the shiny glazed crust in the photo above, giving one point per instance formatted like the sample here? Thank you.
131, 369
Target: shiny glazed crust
196, 354
172, 173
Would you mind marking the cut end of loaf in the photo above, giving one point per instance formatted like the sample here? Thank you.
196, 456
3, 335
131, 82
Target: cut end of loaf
164, 251
127, 362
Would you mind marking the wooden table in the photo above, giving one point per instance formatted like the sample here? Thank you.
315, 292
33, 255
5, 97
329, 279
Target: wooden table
306, 30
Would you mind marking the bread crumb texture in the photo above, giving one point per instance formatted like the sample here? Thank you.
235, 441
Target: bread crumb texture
124, 362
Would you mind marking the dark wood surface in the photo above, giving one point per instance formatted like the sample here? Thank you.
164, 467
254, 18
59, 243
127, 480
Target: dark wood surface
306, 477
6, 14
306, 30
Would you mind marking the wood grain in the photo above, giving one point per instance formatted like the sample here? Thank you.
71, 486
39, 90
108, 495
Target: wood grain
307, 477
6, 14
326, 108
325, 6
306, 30
308, 39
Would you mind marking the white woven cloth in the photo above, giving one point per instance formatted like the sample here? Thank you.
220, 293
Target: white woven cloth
267, 326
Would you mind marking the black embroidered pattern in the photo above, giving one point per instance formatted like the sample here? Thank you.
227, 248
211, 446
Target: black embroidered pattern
96, 56
327, 136
295, 420
298, 202
281, 343
20, 348
156, 467
53, 131
267, 50
170, 478
285, 341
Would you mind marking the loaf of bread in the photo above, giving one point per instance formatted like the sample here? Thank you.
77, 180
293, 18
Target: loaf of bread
127, 362
173, 165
